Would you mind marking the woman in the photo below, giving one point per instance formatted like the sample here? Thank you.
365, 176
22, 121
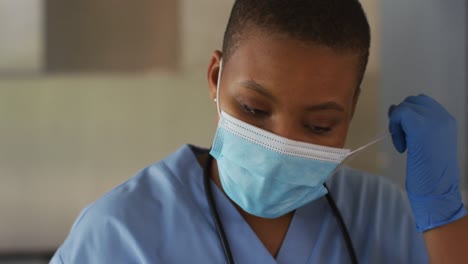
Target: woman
271, 190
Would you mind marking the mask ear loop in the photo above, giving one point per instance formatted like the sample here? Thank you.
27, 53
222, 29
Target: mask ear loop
217, 87
378, 139
351, 155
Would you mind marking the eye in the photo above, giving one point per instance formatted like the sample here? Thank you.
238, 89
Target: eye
318, 129
253, 111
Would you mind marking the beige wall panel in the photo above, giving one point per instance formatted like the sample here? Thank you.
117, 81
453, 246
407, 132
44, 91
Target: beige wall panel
66, 141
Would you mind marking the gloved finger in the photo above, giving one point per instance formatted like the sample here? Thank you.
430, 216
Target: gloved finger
390, 110
396, 129
431, 106
419, 99
424, 100
416, 108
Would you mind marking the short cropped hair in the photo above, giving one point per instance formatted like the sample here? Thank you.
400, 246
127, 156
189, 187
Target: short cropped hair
339, 24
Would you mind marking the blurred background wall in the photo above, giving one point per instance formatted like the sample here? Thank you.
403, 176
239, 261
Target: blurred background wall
425, 50
92, 91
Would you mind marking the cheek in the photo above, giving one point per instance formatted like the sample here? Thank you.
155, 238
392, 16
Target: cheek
342, 133
342, 129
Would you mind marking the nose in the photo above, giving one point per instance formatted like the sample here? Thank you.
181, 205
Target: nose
286, 127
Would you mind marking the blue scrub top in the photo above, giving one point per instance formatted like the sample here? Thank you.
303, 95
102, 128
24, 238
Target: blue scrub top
161, 216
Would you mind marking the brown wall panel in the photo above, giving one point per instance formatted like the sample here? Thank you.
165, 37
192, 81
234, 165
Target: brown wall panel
112, 35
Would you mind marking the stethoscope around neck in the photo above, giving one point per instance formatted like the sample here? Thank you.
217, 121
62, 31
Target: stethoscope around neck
222, 234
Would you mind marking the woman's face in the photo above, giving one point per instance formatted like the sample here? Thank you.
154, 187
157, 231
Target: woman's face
299, 91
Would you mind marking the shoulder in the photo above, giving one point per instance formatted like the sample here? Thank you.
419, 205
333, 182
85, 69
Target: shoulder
148, 192
367, 197
348, 182
116, 226
379, 217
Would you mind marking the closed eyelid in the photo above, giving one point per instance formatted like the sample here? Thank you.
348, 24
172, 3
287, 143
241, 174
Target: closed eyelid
251, 109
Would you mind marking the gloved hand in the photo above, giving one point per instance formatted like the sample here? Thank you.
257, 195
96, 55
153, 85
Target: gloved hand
429, 132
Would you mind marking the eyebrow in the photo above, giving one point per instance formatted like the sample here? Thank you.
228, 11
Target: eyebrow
253, 85
326, 106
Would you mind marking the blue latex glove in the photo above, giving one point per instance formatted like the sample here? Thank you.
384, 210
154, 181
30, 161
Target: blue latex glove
429, 132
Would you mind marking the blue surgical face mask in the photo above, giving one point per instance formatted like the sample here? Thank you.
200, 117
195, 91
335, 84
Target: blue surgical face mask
268, 175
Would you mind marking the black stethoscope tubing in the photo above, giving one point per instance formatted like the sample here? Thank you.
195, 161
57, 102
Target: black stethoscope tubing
222, 234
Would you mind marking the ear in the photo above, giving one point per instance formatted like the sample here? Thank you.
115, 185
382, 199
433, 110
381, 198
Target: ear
212, 75
355, 100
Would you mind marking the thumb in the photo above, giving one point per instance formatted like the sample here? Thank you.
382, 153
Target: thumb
395, 114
